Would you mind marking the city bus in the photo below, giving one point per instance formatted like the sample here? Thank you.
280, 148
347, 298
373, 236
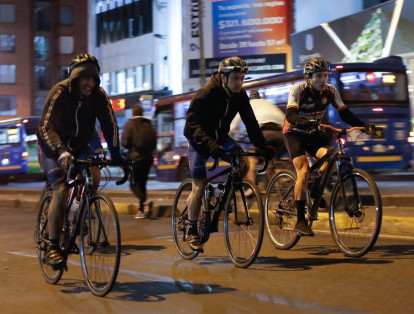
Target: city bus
376, 92
18, 154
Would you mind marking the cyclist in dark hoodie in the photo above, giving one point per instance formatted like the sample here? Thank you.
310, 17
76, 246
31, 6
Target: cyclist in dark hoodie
66, 129
211, 111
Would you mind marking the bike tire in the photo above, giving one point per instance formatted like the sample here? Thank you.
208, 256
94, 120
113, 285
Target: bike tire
243, 230
355, 233
179, 220
100, 244
41, 232
280, 193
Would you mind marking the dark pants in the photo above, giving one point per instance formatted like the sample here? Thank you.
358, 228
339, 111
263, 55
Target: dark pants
139, 178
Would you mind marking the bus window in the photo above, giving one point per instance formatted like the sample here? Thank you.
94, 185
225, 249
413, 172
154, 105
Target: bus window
9, 136
373, 86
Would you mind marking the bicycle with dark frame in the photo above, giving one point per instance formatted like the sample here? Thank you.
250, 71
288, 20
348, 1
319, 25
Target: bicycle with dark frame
95, 227
242, 204
355, 208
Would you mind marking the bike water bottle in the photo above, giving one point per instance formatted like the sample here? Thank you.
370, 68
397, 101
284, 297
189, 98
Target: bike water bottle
73, 208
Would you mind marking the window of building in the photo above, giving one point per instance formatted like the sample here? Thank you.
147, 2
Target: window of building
7, 105
42, 48
42, 77
124, 21
63, 73
128, 81
66, 44
39, 104
120, 82
42, 18
7, 73
7, 14
7, 42
66, 15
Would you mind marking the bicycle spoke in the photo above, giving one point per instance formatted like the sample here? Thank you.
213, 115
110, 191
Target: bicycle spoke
179, 220
244, 236
355, 226
100, 245
41, 235
280, 207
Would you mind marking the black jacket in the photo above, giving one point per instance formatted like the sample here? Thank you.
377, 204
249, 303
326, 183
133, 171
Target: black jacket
211, 112
67, 122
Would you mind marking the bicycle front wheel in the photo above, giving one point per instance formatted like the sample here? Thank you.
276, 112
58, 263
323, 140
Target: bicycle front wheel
355, 227
280, 206
179, 220
100, 242
243, 223
41, 234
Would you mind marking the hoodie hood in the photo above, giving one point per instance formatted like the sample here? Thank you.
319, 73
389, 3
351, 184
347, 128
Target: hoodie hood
86, 69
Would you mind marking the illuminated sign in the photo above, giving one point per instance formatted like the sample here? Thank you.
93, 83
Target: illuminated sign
118, 104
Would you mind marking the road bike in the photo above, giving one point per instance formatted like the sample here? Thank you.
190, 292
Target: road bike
93, 232
242, 204
355, 208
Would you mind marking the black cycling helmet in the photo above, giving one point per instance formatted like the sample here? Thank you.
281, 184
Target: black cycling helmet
82, 59
233, 64
315, 65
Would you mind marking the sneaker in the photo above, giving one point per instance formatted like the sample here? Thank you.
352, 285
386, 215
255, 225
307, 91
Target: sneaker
195, 243
140, 215
249, 194
303, 228
53, 257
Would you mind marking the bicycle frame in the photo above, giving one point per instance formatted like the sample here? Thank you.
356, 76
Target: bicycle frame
333, 156
232, 180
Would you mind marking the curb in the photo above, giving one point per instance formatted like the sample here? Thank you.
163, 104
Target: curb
402, 225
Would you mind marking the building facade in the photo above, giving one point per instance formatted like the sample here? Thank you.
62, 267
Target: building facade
37, 41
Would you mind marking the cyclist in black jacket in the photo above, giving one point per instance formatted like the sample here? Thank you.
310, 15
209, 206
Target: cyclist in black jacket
211, 111
66, 129
306, 107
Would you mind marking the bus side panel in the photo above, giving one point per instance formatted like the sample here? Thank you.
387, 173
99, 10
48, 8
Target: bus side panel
12, 160
389, 149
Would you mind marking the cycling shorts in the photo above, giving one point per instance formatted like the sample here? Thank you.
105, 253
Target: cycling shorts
197, 162
298, 144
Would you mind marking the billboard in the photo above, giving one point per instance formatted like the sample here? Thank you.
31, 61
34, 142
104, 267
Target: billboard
246, 27
256, 30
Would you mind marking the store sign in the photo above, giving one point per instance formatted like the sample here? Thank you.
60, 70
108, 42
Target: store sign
118, 104
258, 64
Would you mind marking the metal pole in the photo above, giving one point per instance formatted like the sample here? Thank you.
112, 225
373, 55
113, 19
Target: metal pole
202, 59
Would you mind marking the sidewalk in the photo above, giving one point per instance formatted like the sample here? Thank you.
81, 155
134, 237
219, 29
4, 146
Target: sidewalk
397, 200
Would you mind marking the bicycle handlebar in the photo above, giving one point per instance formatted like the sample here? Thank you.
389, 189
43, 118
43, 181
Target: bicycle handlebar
240, 154
341, 131
99, 162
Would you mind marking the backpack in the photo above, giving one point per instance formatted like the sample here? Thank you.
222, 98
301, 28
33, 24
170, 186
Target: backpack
145, 139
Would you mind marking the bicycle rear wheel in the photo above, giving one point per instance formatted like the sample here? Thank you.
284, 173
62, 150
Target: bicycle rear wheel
100, 242
280, 206
179, 220
356, 230
41, 232
243, 223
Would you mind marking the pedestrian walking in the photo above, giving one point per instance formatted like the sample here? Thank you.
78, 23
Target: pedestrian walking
140, 139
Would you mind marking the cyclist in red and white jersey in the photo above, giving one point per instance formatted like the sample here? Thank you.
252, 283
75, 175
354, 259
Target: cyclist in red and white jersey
306, 107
